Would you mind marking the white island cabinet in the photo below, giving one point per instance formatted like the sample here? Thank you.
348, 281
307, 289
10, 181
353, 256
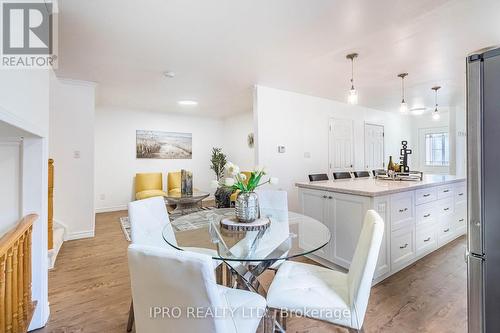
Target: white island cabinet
419, 217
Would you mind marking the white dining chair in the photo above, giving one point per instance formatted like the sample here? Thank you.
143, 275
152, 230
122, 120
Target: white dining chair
170, 287
335, 297
273, 203
148, 219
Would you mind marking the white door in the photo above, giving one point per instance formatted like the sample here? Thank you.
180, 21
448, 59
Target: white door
341, 145
374, 147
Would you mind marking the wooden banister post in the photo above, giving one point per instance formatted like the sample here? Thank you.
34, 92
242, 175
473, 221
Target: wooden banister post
16, 306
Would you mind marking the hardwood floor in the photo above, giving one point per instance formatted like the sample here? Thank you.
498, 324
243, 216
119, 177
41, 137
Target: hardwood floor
89, 290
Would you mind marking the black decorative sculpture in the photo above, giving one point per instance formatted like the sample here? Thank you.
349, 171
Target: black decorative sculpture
404, 157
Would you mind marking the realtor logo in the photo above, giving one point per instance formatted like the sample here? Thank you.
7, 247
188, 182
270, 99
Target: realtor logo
27, 34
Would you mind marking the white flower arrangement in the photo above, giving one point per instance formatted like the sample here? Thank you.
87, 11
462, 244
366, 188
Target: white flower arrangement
239, 181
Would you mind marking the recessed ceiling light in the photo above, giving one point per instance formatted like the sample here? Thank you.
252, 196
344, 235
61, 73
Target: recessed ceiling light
418, 111
187, 103
169, 74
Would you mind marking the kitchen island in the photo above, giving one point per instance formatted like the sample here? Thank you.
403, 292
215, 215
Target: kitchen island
420, 216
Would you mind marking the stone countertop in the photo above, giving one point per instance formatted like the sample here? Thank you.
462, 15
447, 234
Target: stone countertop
370, 187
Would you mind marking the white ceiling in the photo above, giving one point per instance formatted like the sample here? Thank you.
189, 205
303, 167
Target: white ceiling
220, 48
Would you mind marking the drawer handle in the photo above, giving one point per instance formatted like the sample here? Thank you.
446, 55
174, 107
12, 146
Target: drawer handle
427, 215
324, 197
427, 195
330, 197
446, 230
460, 194
427, 239
404, 246
403, 210
461, 220
446, 209
446, 191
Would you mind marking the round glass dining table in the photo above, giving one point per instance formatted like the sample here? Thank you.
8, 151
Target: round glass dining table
248, 253
288, 235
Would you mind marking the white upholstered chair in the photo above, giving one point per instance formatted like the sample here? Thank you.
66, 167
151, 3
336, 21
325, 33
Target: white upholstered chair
148, 218
164, 280
340, 298
273, 203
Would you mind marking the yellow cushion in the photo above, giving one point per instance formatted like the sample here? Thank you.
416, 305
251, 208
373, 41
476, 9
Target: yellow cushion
149, 194
235, 193
148, 181
174, 191
174, 181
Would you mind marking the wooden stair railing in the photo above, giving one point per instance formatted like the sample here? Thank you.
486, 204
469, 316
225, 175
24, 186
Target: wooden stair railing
50, 212
16, 306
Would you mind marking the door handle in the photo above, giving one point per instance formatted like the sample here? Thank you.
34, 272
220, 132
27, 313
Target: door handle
403, 210
427, 215
426, 195
460, 194
446, 230
461, 220
324, 197
427, 239
446, 209
404, 246
446, 191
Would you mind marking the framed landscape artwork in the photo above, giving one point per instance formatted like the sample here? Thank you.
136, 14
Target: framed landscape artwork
163, 145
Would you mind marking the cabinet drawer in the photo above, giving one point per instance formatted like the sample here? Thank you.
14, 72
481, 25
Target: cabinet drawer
402, 246
460, 193
425, 195
445, 191
445, 233
426, 213
445, 207
426, 239
402, 209
461, 209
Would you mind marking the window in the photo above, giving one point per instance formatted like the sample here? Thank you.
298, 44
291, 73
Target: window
437, 149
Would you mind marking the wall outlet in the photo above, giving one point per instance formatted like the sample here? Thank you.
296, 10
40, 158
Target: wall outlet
76, 154
281, 149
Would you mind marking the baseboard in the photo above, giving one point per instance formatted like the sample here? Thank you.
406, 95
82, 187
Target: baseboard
79, 235
111, 209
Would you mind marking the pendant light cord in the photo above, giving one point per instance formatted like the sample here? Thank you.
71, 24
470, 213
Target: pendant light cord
352, 73
403, 89
436, 101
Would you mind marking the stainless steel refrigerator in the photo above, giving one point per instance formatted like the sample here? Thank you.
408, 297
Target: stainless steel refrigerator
483, 182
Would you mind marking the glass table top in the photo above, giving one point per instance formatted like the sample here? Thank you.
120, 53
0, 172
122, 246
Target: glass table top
197, 195
288, 235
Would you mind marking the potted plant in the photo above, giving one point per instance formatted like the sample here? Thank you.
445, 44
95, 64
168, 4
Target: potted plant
247, 202
218, 163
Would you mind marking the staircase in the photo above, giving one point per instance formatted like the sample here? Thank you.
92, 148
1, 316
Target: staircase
59, 232
56, 231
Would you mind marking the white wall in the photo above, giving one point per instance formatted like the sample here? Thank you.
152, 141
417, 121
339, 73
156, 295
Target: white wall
10, 191
300, 122
24, 106
72, 108
235, 134
115, 161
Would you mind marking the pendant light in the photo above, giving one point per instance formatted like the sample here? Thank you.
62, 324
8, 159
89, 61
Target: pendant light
435, 114
352, 98
404, 107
